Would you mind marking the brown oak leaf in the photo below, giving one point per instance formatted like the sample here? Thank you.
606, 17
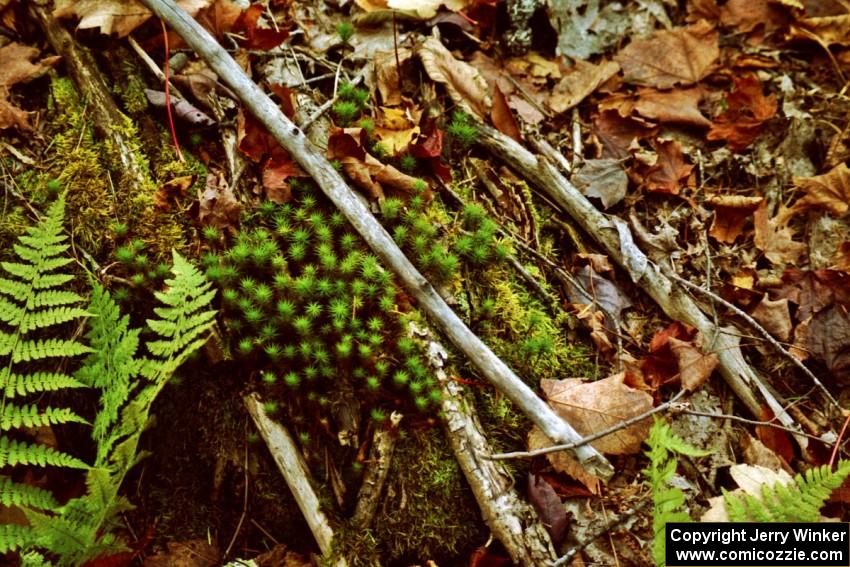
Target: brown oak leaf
830, 191
775, 238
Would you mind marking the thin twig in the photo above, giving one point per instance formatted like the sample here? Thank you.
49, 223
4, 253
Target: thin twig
751, 422
762, 331
330, 102
152, 66
244, 502
590, 438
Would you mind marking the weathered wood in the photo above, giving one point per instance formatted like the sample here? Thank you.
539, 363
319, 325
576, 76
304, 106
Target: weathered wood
293, 140
291, 464
109, 122
614, 236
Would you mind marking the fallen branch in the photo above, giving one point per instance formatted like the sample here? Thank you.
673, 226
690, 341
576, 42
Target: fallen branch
291, 464
512, 520
377, 468
614, 236
293, 140
107, 119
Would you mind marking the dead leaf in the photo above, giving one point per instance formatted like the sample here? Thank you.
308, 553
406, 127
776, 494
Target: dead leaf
552, 513
666, 175
828, 340
16, 66
190, 553
774, 316
604, 179
281, 556
563, 461
429, 147
115, 16
695, 366
814, 290
218, 205
776, 239
396, 128
752, 480
593, 406
388, 65
776, 440
171, 190
420, 9
364, 169
616, 133
730, 215
258, 37
501, 116
829, 30
462, 81
677, 106
661, 367
747, 15
747, 110
667, 58
830, 191
579, 82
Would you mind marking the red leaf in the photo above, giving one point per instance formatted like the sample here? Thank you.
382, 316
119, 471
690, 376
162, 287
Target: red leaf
774, 439
748, 109
502, 117
259, 38
552, 513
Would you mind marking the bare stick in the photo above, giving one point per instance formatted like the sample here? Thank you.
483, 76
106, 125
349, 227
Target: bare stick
291, 464
335, 188
380, 459
615, 238
591, 438
750, 422
763, 332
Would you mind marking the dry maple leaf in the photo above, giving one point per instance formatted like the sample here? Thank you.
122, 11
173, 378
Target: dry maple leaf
695, 366
747, 110
465, 85
747, 15
775, 238
774, 316
828, 340
667, 58
830, 191
677, 106
16, 66
115, 16
218, 206
730, 215
666, 175
616, 132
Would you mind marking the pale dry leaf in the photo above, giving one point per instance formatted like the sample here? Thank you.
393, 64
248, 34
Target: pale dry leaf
604, 179
396, 128
775, 238
115, 16
829, 30
579, 82
682, 56
465, 85
593, 406
750, 479
387, 66
830, 191
774, 316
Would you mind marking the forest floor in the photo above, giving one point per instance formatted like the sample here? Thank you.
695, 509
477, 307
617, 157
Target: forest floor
672, 243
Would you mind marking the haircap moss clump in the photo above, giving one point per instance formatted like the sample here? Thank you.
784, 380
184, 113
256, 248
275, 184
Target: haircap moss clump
309, 306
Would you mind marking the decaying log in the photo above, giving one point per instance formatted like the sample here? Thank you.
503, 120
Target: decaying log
291, 464
380, 459
293, 140
615, 238
108, 120
511, 519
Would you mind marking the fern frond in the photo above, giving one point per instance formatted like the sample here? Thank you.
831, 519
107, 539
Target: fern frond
798, 501
52, 298
14, 452
25, 351
13, 385
24, 495
15, 536
184, 319
13, 417
34, 559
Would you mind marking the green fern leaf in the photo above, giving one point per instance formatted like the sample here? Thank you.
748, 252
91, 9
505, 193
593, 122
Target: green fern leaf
13, 385
15, 536
26, 351
34, 559
17, 494
184, 323
15, 417
52, 298
13, 452
798, 501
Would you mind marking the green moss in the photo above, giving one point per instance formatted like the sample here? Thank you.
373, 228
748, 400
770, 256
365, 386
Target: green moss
428, 511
